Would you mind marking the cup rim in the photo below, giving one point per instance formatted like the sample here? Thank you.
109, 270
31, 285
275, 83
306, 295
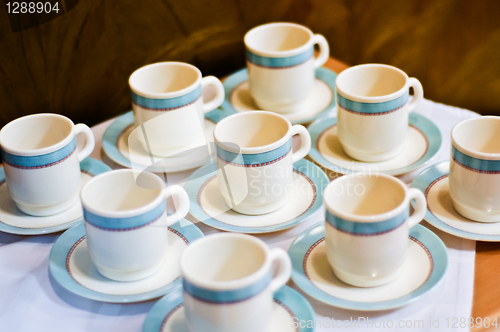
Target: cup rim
278, 54
37, 152
226, 285
256, 149
122, 214
368, 218
375, 99
164, 95
467, 151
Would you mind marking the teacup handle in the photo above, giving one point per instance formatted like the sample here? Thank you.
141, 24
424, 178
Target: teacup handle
182, 206
324, 50
89, 140
420, 209
281, 259
219, 96
418, 93
305, 146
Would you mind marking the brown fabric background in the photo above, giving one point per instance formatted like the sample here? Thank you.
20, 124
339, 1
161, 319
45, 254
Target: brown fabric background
79, 63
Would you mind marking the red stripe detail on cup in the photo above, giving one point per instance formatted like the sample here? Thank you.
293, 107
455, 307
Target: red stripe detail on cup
166, 109
255, 165
124, 229
41, 166
372, 114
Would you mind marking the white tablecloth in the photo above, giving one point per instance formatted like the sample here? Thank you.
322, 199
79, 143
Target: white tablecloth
31, 300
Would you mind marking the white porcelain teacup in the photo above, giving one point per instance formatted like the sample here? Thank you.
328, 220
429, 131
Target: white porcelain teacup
281, 64
475, 168
366, 227
169, 108
126, 224
41, 162
255, 160
372, 110
228, 282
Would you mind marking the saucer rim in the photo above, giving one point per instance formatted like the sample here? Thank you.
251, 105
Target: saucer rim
241, 75
60, 249
428, 128
286, 295
306, 239
193, 185
115, 129
422, 182
90, 166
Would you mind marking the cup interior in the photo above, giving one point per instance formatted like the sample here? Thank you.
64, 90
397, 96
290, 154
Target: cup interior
481, 135
117, 191
252, 129
277, 37
164, 77
371, 80
223, 259
363, 195
36, 132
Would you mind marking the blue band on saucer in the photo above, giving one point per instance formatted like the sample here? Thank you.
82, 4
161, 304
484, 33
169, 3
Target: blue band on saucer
41, 161
475, 164
227, 296
366, 228
290, 61
125, 224
372, 108
168, 103
255, 160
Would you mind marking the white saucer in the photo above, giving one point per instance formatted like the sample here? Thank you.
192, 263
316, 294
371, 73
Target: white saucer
72, 267
424, 267
115, 145
13, 221
433, 182
321, 100
167, 315
208, 205
421, 144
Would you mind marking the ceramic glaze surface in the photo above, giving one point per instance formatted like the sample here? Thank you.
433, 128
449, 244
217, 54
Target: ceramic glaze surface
474, 178
423, 268
169, 108
281, 64
228, 284
72, 267
366, 227
132, 153
208, 205
13, 221
126, 223
255, 160
319, 102
422, 142
441, 213
372, 110
42, 169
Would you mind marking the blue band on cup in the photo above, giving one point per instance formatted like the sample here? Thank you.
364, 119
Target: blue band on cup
168, 103
226, 296
382, 108
125, 224
366, 228
475, 164
41, 161
255, 160
290, 61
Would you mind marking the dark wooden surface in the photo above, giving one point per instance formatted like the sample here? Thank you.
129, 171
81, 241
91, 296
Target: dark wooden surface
78, 64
